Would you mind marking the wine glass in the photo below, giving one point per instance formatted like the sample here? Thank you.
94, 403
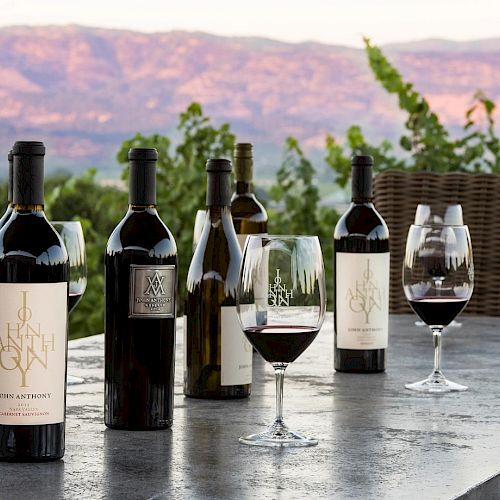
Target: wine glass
438, 280
450, 215
281, 302
72, 235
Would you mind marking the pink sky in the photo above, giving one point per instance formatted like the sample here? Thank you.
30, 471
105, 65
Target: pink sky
330, 21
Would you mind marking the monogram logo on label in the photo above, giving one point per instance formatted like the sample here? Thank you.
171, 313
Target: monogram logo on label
278, 294
24, 346
366, 295
155, 284
152, 291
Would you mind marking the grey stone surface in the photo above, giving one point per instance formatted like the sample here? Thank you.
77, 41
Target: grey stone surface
377, 440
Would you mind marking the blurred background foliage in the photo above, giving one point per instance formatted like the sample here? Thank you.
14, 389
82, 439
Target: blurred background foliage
294, 202
181, 176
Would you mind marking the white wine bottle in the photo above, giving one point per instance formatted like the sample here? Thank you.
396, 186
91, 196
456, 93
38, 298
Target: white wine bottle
249, 215
218, 358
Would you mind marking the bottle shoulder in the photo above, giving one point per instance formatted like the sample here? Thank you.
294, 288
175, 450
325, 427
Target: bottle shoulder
30, 235
247, 206
142, 231
6, 216
361, 220
217, 257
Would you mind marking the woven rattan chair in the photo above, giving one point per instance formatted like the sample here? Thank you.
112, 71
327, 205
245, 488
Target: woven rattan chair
396, 196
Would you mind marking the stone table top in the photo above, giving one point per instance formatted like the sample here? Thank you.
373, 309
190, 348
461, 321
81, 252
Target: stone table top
377, 440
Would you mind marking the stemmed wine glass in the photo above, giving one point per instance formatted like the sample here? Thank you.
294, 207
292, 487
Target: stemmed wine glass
72, 235
438, 280
281, 301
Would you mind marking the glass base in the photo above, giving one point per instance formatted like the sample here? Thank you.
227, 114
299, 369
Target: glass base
436, 383
278, 435
72, 380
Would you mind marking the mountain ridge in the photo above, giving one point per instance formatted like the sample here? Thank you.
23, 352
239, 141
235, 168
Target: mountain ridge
489, 41
84, 90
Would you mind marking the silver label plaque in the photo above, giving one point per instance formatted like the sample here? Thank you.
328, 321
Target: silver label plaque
152, 291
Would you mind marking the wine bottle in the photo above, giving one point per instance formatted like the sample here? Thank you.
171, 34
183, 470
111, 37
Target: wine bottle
361, 283
218, 358
10, 209
34, 274
249, 216
141, 279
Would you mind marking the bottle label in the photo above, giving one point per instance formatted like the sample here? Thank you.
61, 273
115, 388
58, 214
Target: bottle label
152, 291
242, 239
362, 300
236, 351
33, 337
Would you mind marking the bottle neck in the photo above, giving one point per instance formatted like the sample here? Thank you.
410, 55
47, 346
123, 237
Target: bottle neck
218, 212
368, 203
244, 187
142, 184
25, 208
10, 187
362, 184
243, 169
141, 208
218, 190
27, 182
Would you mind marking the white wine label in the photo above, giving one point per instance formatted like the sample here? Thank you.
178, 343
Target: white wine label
33, 337
236, 351
362, 300
152, 291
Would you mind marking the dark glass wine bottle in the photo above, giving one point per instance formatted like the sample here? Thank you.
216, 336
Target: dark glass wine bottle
141, 282
10, 208
361, 283
218, 358
34, 273
249, 216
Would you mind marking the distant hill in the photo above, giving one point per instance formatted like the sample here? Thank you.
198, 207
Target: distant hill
84, 90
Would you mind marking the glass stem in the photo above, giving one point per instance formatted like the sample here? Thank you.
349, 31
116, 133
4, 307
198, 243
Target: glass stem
436, 334
279, 371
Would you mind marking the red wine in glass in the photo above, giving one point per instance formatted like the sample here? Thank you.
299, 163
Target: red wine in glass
438, 310
281, 343
73, 300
